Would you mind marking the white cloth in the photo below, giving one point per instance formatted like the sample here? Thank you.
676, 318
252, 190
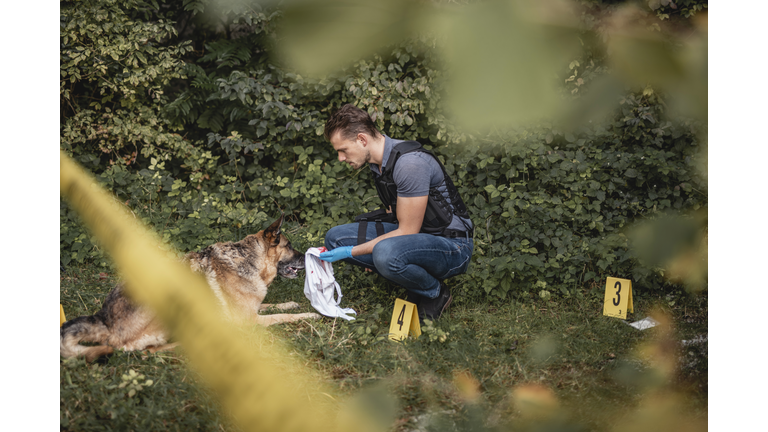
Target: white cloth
320, 285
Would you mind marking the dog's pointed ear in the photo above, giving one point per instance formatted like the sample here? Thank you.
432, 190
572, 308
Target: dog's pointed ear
272, 233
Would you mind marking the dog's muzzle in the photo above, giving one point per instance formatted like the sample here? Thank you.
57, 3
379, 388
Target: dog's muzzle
290, 270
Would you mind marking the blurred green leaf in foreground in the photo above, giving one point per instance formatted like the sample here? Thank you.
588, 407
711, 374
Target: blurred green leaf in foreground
502, 57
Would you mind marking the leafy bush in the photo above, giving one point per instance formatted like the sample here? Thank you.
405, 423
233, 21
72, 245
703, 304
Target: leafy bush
552, 209
194, 126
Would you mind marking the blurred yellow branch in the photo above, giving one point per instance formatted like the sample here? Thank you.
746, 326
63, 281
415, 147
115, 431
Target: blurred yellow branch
263, 388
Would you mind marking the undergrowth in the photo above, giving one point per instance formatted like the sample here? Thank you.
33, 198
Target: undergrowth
589, 362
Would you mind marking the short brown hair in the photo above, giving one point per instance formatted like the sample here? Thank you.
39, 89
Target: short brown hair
350, 121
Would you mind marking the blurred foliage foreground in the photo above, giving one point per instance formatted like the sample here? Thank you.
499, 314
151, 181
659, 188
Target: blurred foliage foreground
563, 125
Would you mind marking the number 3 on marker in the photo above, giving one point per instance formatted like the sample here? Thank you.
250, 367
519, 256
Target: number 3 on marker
617, 300
618, 297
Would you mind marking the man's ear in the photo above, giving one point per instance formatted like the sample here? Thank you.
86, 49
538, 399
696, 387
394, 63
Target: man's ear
363, 139
272, 234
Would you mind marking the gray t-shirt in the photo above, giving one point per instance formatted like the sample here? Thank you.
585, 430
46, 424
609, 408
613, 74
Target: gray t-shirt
415, 173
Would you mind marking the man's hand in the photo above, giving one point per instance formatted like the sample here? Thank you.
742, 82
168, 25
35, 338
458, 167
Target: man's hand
337, 254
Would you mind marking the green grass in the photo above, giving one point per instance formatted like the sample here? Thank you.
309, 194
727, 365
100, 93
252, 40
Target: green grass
563, 343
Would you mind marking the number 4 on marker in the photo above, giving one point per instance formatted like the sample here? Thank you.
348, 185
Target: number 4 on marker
401, 317
618, 297
405, 320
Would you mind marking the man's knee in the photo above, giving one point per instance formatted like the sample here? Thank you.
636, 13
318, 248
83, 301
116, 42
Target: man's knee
385, 258
332, 237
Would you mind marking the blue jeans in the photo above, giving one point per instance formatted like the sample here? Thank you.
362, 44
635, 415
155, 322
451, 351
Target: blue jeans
417, 262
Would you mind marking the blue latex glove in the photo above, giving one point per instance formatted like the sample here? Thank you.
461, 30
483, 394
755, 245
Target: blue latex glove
337, 254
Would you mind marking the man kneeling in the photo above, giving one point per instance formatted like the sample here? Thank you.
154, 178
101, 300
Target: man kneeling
425, 234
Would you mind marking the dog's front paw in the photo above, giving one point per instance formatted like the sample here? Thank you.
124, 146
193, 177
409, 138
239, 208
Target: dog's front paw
290, 305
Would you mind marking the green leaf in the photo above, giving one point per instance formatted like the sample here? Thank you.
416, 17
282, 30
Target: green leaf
533, 260
643, 56
318, 37
497, 51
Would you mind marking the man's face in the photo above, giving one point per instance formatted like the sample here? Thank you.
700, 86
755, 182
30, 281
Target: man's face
351, 151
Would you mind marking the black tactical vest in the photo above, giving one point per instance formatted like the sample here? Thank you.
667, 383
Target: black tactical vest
439, 213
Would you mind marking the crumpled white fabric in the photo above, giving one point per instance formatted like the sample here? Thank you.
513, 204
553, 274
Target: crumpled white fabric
320, 286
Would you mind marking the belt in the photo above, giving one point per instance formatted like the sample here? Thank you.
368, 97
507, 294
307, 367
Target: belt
448, 233
451, 233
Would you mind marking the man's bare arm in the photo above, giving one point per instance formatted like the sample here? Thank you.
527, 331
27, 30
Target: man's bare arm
410, 215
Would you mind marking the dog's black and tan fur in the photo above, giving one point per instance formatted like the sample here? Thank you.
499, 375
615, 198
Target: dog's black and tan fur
237, 273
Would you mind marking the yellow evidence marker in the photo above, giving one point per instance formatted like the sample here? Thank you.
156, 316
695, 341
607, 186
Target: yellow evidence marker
62, 316
618, 297
405, 320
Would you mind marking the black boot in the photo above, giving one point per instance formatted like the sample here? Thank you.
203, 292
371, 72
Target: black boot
414, 298
431, 309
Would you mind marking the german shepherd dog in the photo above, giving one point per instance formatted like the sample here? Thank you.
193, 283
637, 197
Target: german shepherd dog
238, 274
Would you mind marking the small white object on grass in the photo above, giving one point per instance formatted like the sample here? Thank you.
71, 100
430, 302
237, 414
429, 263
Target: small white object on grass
644, 323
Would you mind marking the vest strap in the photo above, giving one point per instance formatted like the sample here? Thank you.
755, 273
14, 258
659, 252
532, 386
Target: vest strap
362, 227
377, 216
